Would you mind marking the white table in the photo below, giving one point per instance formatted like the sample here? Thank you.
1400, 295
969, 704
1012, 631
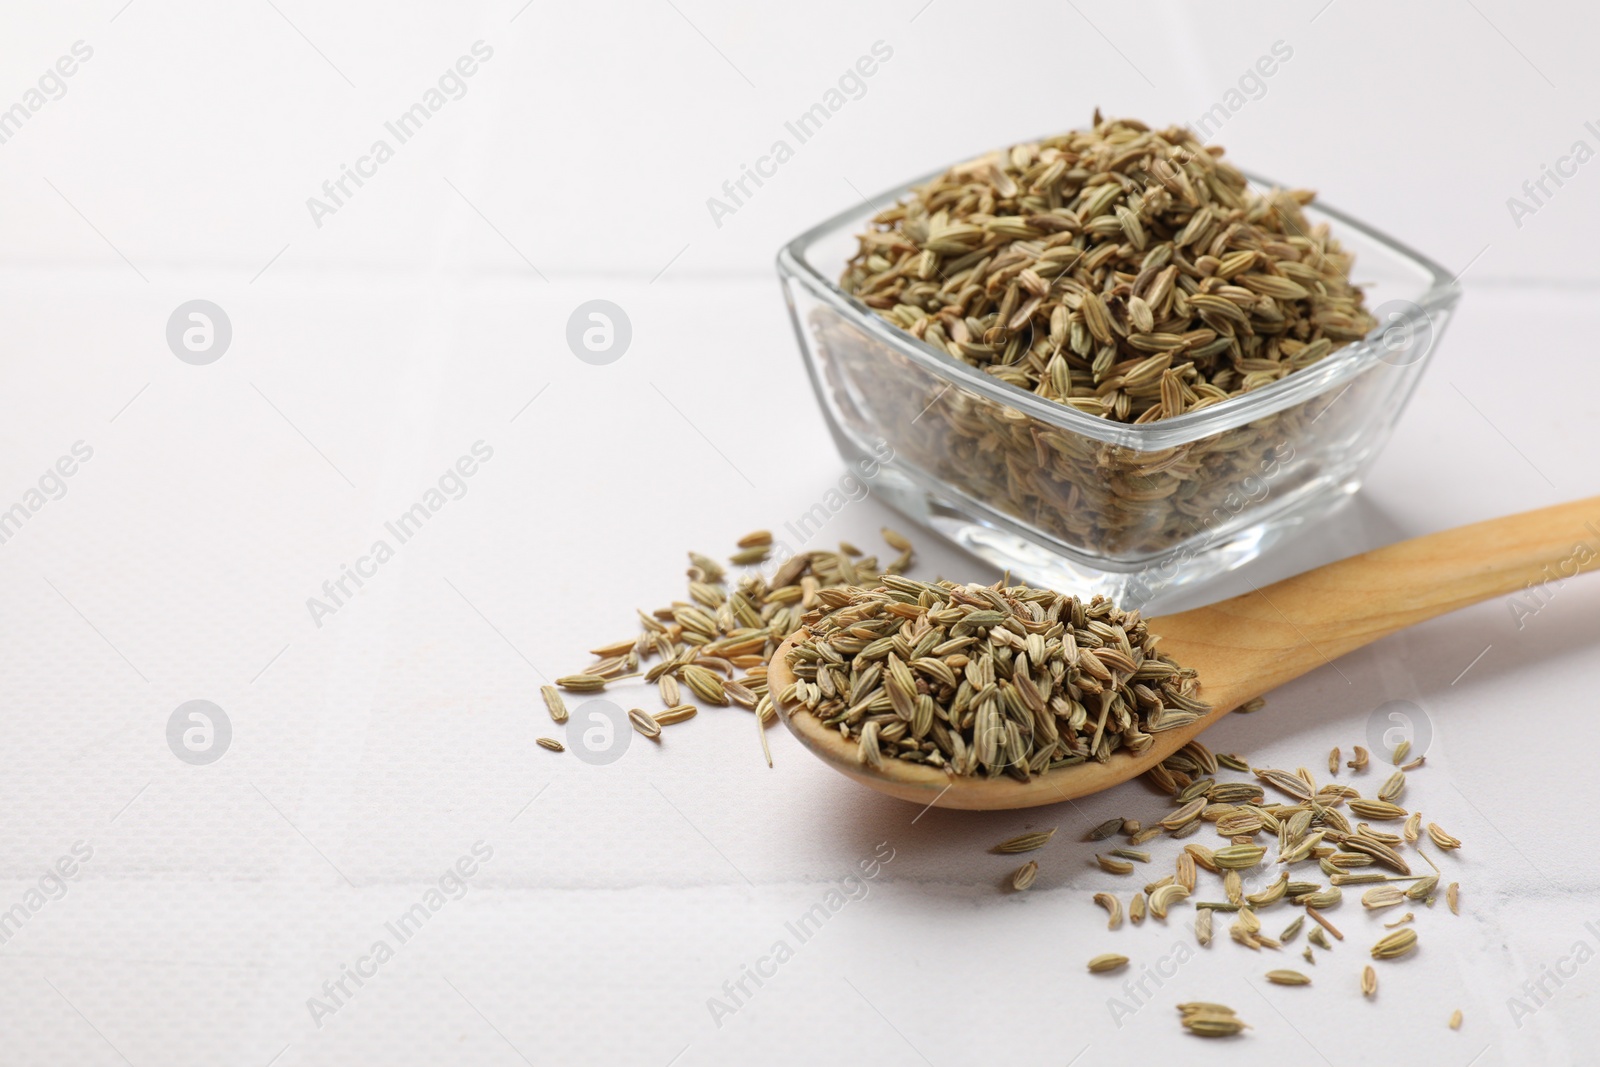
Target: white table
371, 754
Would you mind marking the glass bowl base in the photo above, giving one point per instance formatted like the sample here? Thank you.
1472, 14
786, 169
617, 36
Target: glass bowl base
1153, 585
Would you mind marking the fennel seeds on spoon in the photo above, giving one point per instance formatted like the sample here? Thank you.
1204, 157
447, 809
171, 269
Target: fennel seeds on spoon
985, 679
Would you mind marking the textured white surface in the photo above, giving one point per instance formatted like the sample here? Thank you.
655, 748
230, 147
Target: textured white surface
369, 755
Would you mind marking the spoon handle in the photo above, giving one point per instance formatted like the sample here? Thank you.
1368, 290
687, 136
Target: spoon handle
1277, 633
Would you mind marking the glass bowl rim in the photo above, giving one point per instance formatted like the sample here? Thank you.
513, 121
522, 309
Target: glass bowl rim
1343, 365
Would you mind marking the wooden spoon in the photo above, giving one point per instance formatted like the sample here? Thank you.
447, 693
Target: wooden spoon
1251, 644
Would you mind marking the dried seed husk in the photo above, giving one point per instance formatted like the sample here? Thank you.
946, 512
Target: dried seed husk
1383, 896
1214, 1025
705, 684
1318, 937
675, 715
1440, 838
1286, 977
1233, 887
869, 753
710, 570
1322, 898
1359, 762
644, 723
1188, 829
1184, 815
615, 648
1164, 897
1359, 878
1136, 909
1292, 931
1455, 1019
1237, 793
1105, 830
1392, 787
754, 539
1423, 887
1162, 779
1413, 828
582, 683
554, 704
1210, 1020
1272, 894
1028, 842
1202, 925
897, 541
552, 744
1291, 784
1113, 908
764, 712
1401, 751
1113, 866
1186, 875
1240, 822
1203, 757
1373, 834
1369, 982
1238, 857
1381, 810
1107, 962
1407, 917
671, 694
1452, 897
1333, 761
1246, 929
1024, 876
1131, 854
1378, 850
1394, 945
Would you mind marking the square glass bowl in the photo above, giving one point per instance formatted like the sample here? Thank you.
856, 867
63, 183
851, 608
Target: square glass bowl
1086, 505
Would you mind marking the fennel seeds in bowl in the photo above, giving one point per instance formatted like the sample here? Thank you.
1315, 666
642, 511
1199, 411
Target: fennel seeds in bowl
1128, 273
985, 679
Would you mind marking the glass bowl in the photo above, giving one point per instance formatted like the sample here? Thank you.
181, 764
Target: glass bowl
1085, 505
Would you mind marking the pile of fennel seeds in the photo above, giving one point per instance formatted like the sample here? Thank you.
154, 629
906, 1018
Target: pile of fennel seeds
985, 680
1290, 849
1128, 272
717, 642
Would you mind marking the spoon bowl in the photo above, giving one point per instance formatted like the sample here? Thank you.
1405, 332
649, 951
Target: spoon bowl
1249, 645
